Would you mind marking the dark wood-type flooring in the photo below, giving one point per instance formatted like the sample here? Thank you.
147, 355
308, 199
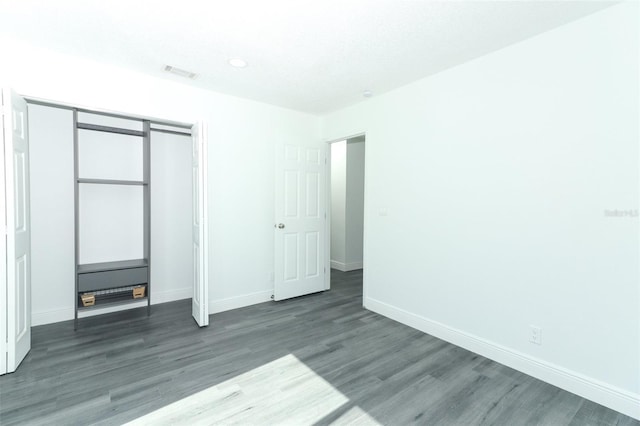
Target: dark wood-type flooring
350, 366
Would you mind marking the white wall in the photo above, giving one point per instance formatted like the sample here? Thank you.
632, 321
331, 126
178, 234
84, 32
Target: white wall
171, 217
338, 203
52, 235
242, 136
495, 176
354, 212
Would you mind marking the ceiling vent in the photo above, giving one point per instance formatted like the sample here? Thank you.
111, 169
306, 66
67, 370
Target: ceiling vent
180, 72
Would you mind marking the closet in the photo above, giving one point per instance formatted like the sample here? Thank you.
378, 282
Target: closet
80, 213
112, 213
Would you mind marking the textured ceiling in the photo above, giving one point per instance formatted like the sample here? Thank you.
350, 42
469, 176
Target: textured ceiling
313, 56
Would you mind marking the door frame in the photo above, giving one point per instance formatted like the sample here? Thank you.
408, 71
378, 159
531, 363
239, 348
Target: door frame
327, 229
154, 120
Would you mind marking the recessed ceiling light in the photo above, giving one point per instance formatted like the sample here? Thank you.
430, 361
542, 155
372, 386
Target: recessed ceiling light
367, 93
180, 72
238, 63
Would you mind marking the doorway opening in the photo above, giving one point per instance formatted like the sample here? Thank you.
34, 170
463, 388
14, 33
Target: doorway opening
346, 230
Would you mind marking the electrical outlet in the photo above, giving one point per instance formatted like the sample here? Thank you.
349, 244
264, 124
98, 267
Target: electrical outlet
536, 335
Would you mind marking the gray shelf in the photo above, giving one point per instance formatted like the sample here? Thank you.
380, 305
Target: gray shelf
112, 182
111, 266
112, 275
102, 302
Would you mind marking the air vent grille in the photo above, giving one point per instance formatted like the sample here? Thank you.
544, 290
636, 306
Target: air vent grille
182, 73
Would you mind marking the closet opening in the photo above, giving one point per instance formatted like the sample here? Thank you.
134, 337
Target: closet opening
125, 197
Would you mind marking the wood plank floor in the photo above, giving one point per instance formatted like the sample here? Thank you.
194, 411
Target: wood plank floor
319, 359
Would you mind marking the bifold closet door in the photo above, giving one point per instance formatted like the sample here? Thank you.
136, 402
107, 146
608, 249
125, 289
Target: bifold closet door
200, 232
17, 277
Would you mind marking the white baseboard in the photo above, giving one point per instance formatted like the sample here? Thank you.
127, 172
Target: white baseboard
346, 267
221, 305
65, 314
610, 396
171, 295
49, 317
215, 306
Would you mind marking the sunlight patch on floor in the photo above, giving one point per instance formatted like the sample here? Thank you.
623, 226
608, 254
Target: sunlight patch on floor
284, 391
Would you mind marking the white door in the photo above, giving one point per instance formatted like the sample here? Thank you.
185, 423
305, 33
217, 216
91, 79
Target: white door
300, 221
200, 300
18, 239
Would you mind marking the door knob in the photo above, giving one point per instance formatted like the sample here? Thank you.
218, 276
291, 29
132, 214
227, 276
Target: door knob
281, 226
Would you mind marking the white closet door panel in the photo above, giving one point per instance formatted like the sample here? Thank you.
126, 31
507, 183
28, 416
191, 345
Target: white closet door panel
18, 232
104, 155
110, 223
104, 120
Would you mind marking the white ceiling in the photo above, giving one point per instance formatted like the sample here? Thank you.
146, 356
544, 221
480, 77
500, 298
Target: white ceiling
313, 56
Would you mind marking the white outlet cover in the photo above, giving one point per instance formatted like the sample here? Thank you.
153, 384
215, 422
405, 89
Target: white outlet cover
536, 335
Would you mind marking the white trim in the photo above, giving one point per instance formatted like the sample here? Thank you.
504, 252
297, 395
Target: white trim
327, 216
171, 295
587, 387
346, 267
215, 306
51, 316
221, 305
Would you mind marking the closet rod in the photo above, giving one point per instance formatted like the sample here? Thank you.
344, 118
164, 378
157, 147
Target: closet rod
172, 132
108, 129
112, 181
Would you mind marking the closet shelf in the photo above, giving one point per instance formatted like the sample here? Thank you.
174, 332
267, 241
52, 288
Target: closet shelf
111, 266
112, 181
103, 301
